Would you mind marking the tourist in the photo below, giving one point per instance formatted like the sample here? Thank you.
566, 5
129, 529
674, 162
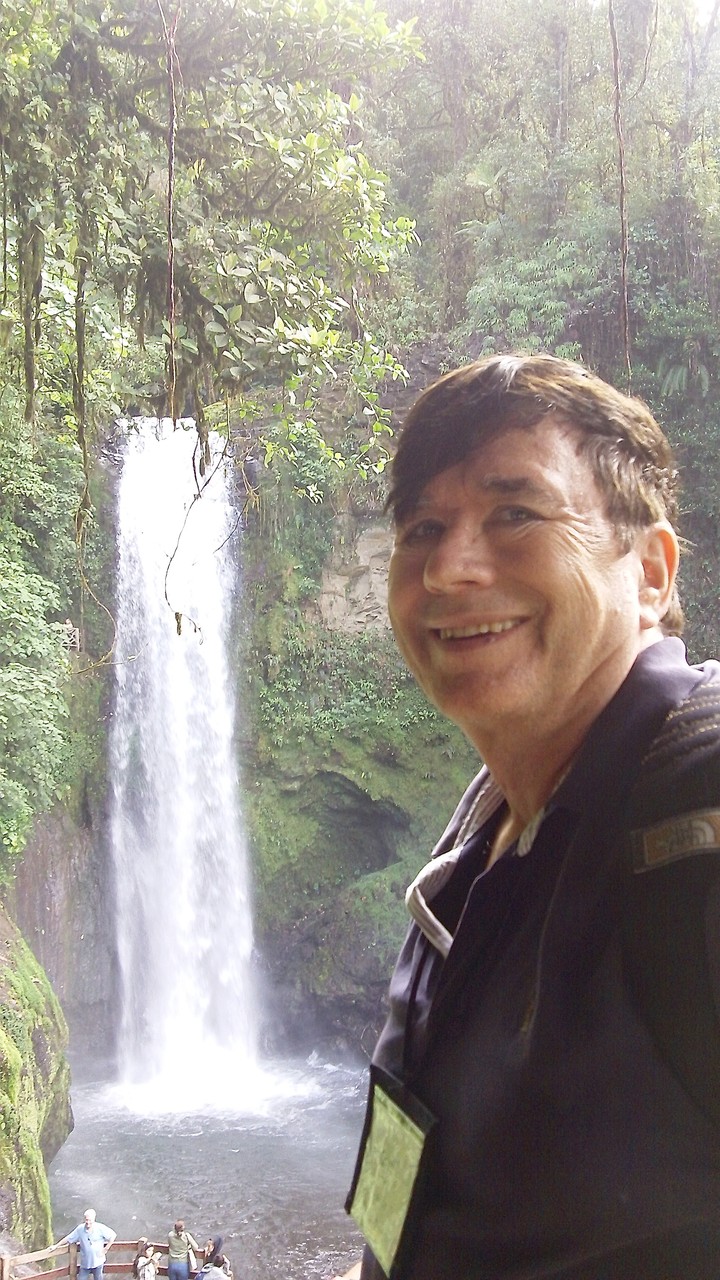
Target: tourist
140, 1248
218, 1269
216, 1263
147, 1262
545, 1095
182, 1250
93, 1239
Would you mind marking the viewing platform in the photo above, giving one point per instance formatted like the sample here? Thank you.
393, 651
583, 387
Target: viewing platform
13, 1265
120, 1257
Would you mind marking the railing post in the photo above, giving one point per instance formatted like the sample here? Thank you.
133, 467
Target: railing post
4, 1266
72, 1261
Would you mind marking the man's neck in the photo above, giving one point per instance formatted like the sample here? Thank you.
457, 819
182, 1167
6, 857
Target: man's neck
523, 804
529, 760
528, 767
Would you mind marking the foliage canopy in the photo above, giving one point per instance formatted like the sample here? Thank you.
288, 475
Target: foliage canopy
191, 182
187, 223
239, 149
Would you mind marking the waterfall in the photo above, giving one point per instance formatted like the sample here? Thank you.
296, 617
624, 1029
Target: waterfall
188, 1019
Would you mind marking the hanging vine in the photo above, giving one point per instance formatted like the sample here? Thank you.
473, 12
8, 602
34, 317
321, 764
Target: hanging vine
624, 232
4, 180
173, 68
30, 256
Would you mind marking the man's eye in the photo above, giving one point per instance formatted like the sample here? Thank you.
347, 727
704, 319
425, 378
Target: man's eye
420, 531
516, 515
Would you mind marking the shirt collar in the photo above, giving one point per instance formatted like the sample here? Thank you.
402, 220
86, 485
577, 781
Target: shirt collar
658, 680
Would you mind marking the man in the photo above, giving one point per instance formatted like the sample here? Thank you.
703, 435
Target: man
545, 1096
93, 1239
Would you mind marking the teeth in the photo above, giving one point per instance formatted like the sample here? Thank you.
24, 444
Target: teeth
484, 629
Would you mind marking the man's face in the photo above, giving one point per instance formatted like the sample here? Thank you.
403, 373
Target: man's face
509, 596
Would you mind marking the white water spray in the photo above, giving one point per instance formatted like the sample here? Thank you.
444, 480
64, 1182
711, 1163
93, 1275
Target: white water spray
188, 1022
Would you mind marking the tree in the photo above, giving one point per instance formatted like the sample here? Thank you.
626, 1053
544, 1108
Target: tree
202, 167
186, 216
520, 214
35, 496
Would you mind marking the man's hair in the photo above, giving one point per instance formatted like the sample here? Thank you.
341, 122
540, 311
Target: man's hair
627, 451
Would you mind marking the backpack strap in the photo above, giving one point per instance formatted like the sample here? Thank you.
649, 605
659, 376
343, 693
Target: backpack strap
671, 896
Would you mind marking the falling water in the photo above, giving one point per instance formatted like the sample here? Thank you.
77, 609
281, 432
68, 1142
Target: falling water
257, 1150
188, 1022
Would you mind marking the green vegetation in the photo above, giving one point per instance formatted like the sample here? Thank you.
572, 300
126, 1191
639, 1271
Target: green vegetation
258, 213
34, 1081
34, 497
347, 768
328, 684
44, 749
219, 145
212, 143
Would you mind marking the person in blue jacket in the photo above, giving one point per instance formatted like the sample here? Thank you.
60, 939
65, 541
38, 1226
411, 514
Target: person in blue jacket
545, 1095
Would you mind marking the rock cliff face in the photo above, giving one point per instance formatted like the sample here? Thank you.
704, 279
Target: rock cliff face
35, 1115
353, 593
62, 900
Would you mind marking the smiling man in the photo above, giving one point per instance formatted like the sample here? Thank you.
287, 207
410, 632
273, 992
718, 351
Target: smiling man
545, 1096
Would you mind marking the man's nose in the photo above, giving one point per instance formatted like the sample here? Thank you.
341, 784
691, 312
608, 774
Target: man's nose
462, 556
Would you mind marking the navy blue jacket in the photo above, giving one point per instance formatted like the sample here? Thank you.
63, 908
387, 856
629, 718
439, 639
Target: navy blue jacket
574, 1137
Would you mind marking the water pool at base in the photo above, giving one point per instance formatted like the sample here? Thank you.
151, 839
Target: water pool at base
270, 1175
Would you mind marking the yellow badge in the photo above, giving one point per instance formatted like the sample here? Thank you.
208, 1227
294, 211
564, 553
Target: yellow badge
387, 1175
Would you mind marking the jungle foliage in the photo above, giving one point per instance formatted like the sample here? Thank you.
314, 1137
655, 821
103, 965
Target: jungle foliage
186, 212
559, 159
190, 181
562, 160
39, 491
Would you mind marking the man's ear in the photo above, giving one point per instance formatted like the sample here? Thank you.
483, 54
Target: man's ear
660, 555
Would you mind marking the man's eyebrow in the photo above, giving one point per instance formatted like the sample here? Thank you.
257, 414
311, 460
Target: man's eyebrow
494, 483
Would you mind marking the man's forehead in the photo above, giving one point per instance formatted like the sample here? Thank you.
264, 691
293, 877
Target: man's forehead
517, 461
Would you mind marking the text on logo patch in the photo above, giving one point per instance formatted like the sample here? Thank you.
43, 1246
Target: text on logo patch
676, 838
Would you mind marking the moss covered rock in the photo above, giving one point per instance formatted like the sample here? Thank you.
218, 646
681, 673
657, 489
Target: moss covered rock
35, 1115
350, 777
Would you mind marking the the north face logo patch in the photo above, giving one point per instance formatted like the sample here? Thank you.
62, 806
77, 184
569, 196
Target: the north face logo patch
676, 838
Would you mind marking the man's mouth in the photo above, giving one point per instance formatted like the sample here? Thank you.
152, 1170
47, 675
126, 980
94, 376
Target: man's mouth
482, 629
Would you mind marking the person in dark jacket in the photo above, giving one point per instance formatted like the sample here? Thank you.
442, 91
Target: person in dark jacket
544, 1095
213, 1257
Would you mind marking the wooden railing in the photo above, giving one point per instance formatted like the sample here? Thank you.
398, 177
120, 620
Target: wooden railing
9, 1262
